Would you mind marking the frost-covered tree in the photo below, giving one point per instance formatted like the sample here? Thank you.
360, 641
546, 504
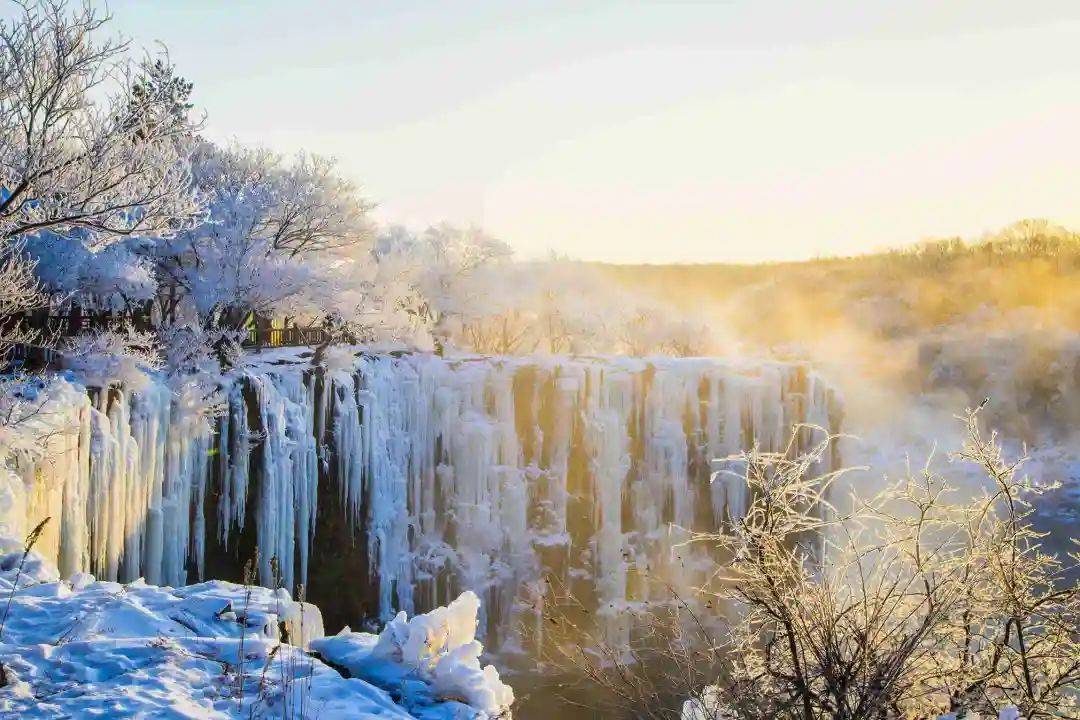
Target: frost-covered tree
93, 155
501, 312
425, 285
314, 209
19, 292
378, 302
462, 288
160, 97
79, 151
270, 241
447, 261
116, 277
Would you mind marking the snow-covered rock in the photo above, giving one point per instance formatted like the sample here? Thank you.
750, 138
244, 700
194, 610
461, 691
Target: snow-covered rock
83, 647
431, 663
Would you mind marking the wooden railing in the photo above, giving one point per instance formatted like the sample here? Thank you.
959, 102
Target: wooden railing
33, 357
54, 328
293, 336
69, 325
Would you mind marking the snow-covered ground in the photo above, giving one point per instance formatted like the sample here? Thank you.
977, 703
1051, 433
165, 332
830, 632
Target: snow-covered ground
86, 648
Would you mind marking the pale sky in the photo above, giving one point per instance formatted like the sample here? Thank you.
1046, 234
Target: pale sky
656, 132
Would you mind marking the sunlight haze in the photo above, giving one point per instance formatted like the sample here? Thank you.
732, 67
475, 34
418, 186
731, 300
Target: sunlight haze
637, 132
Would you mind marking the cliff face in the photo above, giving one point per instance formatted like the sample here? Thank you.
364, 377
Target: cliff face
397, 482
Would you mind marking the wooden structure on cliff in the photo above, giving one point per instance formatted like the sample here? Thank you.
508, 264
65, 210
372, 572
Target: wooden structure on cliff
52, 329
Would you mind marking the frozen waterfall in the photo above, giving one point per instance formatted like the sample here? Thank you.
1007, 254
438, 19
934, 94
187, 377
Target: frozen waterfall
395, 482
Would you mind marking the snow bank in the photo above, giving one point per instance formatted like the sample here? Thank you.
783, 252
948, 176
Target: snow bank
87, 648
431, 662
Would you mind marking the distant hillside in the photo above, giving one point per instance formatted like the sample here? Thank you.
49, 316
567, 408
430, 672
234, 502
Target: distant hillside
998, 316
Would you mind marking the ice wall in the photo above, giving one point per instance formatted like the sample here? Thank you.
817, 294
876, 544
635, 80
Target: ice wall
486, 475
446, 475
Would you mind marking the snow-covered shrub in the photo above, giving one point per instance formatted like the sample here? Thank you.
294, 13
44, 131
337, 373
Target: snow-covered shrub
189, 349
916, 602
113, 358
193, 360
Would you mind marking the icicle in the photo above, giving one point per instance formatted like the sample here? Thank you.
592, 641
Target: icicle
235, 444
473, 473
149, 426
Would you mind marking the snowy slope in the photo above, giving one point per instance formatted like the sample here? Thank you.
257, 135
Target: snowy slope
87, 648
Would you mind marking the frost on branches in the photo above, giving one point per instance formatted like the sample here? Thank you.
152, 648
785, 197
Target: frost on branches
274, 229
81, 152
114, 358
922, 601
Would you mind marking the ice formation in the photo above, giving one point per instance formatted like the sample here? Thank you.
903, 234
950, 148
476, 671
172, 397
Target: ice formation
446, 475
